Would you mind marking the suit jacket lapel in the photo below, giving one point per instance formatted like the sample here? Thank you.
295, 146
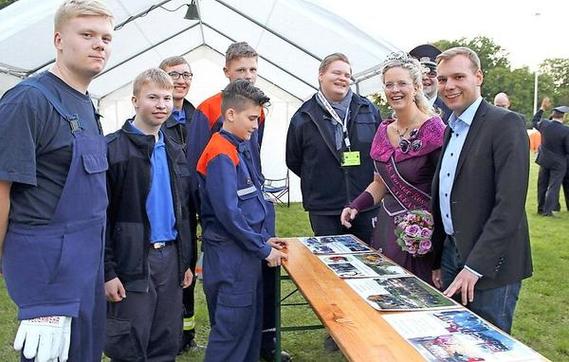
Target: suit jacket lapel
435, 183
475, 128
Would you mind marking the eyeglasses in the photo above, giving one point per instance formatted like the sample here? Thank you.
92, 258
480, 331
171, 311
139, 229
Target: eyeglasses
400, 85
430, 72
185, 75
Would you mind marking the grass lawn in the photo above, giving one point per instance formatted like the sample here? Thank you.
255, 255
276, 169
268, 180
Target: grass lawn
542, 314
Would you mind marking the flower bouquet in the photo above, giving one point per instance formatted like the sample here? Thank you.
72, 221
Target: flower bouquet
413, 231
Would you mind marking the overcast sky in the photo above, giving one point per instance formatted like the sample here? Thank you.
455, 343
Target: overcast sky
528, 38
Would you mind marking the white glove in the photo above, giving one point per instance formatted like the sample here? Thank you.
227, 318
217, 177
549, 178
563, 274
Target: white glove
46, 338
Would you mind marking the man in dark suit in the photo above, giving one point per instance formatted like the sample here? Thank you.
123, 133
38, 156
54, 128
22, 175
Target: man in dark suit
566, 185
426, 54
480, 239
552, 157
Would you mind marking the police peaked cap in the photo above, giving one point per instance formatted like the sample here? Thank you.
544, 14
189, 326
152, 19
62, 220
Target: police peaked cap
425, 53
561, 109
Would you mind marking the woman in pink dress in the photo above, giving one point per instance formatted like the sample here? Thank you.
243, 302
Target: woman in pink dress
405, 151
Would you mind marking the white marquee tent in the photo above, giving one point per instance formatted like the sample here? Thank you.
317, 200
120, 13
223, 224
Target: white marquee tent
291, 37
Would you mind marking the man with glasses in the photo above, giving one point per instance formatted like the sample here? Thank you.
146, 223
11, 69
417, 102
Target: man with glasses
426, 54
176, 128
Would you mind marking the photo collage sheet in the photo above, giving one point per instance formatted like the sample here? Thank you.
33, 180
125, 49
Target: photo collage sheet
436, 326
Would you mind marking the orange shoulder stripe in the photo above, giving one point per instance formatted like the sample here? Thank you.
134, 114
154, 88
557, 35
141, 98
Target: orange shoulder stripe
211, 108
217, 145
262, 117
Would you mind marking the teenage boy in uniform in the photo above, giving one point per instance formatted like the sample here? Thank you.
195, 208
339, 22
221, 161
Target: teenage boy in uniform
53, 193
176, 128
240, 63
148, 246
237, 229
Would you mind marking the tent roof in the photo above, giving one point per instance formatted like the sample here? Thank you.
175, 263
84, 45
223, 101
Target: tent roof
291, 37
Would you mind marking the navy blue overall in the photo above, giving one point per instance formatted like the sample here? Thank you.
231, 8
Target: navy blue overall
233, 281
57, 269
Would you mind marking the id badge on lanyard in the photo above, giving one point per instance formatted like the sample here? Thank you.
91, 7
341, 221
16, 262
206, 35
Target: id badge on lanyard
348, 158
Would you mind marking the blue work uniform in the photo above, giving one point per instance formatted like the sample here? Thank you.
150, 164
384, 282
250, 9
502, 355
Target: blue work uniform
237, 222
56, 268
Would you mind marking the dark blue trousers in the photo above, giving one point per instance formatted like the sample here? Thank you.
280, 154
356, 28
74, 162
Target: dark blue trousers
496, 305
145, 326
233, 289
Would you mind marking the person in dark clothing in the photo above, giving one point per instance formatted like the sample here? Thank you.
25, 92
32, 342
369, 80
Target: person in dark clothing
566, 186
328, 145
552, 157
176, 128
238, 229
53, 193
480, 237
148, 243
426, 55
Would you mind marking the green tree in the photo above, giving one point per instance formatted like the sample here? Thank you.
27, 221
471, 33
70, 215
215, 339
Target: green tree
554, 80
4, 3
491, 54
381, 102
558, 69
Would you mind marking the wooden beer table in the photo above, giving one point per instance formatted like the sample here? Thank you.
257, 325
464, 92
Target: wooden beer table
357, 328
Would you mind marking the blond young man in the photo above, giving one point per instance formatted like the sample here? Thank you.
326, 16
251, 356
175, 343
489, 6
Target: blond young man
480, 239
148, 245
53, 193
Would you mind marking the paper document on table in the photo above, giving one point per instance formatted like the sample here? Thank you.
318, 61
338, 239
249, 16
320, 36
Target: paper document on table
335, 244
361, 265
458, 335
400, 294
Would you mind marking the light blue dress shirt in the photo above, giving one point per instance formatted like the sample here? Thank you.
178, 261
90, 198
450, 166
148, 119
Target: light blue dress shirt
460, 126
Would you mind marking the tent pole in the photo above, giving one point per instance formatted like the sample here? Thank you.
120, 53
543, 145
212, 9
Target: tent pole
304, 50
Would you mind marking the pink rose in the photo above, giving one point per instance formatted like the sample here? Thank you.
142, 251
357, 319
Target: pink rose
424, 246
426, 233
413, 230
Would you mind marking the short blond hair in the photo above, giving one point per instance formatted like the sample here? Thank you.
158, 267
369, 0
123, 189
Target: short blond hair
329, 59
74, 8
154, 76
467, 52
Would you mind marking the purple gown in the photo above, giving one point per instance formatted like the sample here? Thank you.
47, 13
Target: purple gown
408, 178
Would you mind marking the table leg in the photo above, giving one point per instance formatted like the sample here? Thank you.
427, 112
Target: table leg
277, 307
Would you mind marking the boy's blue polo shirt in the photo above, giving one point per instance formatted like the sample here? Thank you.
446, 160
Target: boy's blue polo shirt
159, 202
179, 115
